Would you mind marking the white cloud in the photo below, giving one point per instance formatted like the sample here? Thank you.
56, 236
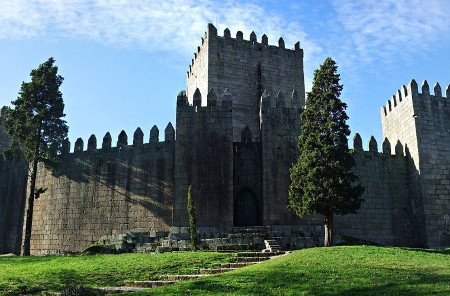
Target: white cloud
388, 29
153, 25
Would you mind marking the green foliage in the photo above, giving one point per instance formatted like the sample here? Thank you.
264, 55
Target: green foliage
192, 218
36, 119
322, 178
31, 275
95, 249
358, 270
354, 241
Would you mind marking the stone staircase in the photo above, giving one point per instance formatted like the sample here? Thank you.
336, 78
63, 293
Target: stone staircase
242, 259
272, 246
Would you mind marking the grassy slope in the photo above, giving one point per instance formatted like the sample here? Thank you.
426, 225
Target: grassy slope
34, 274
357, 270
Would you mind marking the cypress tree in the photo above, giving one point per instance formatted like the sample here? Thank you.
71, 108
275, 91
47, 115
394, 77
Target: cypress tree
192, 219
37, 129
322, 181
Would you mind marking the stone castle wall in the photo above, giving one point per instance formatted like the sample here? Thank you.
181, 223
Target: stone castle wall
204, 159
385, 216
13, 180
104, 191
13, 176
280, 127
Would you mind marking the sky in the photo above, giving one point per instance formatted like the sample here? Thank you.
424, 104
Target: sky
124, 61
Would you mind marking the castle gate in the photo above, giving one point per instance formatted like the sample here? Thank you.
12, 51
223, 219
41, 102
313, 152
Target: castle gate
246, 209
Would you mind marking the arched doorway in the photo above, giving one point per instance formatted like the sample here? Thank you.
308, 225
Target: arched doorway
246, 209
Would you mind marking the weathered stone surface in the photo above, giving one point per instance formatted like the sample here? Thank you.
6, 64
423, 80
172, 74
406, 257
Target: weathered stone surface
420, 124
111, 191
13, 176
246, 68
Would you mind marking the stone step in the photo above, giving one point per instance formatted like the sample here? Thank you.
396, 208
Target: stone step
181, 277
232, 248
214, 270
274, 248
273, 252
237, 265
121, 289
149, 284
271, 245
258, 254
251, 259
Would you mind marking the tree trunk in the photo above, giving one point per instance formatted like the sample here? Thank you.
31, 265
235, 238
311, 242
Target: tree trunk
328, 221
29, 217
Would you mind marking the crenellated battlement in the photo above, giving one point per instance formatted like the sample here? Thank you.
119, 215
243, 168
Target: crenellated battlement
412, 91
245, 67
373, 147
280, 101
212, 32
238, 40
213, 100
122, 141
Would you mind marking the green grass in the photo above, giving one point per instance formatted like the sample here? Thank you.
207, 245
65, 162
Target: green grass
31, 275
356, 270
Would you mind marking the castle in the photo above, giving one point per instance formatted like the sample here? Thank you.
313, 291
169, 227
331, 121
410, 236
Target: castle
234, 142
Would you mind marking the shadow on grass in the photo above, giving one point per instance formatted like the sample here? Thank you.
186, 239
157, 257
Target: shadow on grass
280, 281
432, 251
421, 284
54, 281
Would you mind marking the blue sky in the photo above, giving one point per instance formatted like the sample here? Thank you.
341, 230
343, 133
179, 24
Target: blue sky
125, 61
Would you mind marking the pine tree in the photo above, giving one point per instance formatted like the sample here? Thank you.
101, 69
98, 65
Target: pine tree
192, 218
37, 129
322, 178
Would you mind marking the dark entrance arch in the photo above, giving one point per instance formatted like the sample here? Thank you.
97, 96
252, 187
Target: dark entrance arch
246, 209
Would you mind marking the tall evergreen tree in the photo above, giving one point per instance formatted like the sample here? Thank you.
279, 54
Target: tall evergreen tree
192, 213
37, 129
322, 178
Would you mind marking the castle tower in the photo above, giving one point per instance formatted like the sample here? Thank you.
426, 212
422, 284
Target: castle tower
204, 160
235, 147
419, 122
246, 68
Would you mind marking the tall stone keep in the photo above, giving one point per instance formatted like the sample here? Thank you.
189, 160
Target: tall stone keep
419, 122
246, 68
236, 129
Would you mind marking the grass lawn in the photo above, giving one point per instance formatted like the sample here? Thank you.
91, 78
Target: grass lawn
356, 270
32, 275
